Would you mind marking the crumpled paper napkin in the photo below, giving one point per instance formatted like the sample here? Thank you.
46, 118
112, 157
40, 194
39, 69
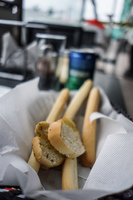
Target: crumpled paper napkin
23, 107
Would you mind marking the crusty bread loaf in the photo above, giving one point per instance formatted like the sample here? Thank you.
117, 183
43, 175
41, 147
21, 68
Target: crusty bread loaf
65, 137
69, 170
69, 175
44, 152
89, 129
53, 115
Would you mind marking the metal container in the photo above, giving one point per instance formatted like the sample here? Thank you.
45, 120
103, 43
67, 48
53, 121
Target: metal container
81, 67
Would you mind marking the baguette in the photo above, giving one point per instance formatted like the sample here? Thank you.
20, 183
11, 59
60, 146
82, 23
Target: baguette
70, 177
34, 160
79, 98
69, 170
65, 137
89, 129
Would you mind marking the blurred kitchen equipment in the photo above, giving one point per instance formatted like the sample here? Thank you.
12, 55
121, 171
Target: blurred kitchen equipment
18, 60
50, 47
32, 28
45, 68
11, 73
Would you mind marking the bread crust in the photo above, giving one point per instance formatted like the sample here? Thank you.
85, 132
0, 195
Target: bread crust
53, 115
69, 170
89, 129
54, 136
41, 129
42, 157
78, 99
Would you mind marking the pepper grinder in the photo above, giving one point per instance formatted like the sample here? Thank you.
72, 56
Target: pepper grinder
44, 69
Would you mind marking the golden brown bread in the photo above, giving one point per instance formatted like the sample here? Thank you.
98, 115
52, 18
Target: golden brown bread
78, 99
65, 137
45, 153
69, 175
89, 129
67, 181
53, 115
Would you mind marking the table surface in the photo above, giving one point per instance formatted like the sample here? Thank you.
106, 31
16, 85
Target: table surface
109, 83
112, 87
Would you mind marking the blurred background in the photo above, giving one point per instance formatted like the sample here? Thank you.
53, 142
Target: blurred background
103, 25
29, 31
72, 12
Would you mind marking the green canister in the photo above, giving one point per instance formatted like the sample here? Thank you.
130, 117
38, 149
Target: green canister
81, 67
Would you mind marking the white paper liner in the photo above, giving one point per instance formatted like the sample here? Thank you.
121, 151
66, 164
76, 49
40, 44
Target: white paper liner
23, 107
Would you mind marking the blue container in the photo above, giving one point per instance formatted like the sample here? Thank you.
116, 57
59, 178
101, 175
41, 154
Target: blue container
81, 67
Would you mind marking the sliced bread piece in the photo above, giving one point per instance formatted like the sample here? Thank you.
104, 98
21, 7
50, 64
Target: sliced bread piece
65, 137
44, 152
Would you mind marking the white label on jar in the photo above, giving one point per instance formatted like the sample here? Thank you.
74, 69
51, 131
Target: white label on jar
79, 73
